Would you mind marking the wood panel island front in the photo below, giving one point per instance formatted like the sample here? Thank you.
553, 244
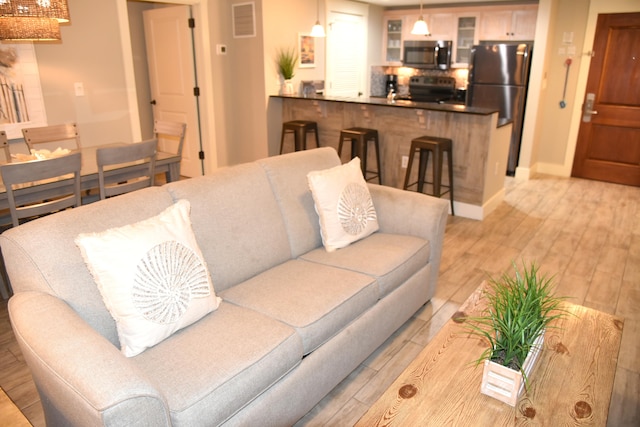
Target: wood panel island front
480, 142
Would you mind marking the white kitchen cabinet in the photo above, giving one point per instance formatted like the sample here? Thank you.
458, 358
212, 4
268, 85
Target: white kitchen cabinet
509, 24
466, 37
442, 26
393, 39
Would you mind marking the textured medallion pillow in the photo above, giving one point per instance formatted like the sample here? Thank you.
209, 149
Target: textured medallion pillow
151, 275
343, 204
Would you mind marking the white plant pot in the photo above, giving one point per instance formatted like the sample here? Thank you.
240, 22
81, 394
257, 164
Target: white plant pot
506, 384
287, 88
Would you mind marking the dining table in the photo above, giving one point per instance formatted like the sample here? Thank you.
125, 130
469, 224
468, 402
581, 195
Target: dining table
167, 163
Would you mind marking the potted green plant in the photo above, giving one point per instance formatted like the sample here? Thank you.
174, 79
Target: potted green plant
519, 310
286, 59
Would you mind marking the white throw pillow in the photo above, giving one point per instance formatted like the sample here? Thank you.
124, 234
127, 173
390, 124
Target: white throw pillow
152, 277
343, 204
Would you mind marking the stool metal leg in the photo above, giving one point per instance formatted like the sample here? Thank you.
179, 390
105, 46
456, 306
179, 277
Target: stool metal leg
376, 142
407, 174
284, 132
422, 168
437, 172
300, 139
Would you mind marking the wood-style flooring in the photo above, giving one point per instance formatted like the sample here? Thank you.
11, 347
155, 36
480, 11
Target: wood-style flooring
586, 233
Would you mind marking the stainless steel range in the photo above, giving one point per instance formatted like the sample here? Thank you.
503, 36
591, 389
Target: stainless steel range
432, 89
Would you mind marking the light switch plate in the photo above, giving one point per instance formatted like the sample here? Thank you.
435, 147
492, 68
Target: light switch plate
79, 88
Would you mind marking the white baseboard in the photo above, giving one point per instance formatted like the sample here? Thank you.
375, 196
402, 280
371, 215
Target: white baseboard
470, 211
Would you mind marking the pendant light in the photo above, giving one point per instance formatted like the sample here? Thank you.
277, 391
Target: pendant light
32, 19
317, 30
420, 27
29, 28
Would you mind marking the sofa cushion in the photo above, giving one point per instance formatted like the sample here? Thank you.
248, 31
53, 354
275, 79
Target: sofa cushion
151, 275
213, 368
288, 176
390, 258
237, 222
343, 203
317, 300
54, 264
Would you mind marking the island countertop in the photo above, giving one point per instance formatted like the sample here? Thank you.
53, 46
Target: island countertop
403, 103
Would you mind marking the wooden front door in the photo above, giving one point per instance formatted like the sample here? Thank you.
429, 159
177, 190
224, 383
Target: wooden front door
608, 146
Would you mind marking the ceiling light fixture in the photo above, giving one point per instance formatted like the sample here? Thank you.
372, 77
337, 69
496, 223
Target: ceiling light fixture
420, 27
317, 30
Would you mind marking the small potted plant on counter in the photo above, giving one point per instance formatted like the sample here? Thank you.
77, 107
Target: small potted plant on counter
519, 310
287, 60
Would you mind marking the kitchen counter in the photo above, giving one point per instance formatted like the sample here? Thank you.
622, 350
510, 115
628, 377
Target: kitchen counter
480, 140
400, 103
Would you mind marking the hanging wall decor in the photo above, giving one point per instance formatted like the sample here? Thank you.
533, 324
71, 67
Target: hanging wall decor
21, 101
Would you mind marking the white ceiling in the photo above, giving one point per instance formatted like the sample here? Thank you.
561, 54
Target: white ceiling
396, 3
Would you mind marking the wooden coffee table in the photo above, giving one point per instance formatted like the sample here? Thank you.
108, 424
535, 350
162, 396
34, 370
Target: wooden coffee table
571, 382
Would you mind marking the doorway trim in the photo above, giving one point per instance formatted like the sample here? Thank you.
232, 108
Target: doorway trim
203, 67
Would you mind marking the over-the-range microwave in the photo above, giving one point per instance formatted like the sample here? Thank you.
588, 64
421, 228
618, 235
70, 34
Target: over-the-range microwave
431, 54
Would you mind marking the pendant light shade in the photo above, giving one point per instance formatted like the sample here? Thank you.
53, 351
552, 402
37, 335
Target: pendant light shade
32, 19
420, 27
318, 29
29, 28
54, 9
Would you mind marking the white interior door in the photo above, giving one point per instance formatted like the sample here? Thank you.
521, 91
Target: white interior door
172, 78
346, 48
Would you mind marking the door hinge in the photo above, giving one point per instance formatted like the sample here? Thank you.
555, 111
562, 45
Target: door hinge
192, 23
201, 155
196, 91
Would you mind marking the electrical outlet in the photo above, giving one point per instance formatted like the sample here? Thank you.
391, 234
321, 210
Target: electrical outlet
405, 161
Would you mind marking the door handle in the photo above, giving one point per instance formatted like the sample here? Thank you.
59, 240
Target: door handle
587, 110
153, 102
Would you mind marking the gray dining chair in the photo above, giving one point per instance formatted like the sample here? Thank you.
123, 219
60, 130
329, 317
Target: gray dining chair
51, 137
141, 157
61, 173
170, 133
170, 137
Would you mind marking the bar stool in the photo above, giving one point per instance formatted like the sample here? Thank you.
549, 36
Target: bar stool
437, 146
299, 129
360, 138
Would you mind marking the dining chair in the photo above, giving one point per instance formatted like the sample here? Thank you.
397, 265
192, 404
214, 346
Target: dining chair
19, 177
140, 173
54, 136
170, 134
4, 142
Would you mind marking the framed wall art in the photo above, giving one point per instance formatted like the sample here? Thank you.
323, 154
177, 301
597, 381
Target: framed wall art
307, 51
21, 101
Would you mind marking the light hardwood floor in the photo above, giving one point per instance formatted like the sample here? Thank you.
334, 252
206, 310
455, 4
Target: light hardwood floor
587, 233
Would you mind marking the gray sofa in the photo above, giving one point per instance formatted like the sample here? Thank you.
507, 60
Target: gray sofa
295, 320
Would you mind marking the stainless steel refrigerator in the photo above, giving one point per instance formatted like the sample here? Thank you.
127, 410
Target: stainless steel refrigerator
498, 77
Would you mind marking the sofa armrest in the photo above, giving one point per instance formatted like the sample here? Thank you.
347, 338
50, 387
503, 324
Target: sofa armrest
81, 377
414, 214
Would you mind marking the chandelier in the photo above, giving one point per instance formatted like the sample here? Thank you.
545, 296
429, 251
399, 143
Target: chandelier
32, 19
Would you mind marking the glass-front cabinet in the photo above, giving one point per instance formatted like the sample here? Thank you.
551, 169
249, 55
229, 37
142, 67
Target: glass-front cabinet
393, 41
465, 39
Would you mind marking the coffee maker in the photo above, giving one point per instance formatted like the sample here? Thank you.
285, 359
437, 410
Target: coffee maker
391, 84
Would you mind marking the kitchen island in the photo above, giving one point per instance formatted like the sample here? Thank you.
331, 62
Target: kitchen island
480, 142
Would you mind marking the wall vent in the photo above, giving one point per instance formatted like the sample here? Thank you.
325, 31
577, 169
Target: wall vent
244, 20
